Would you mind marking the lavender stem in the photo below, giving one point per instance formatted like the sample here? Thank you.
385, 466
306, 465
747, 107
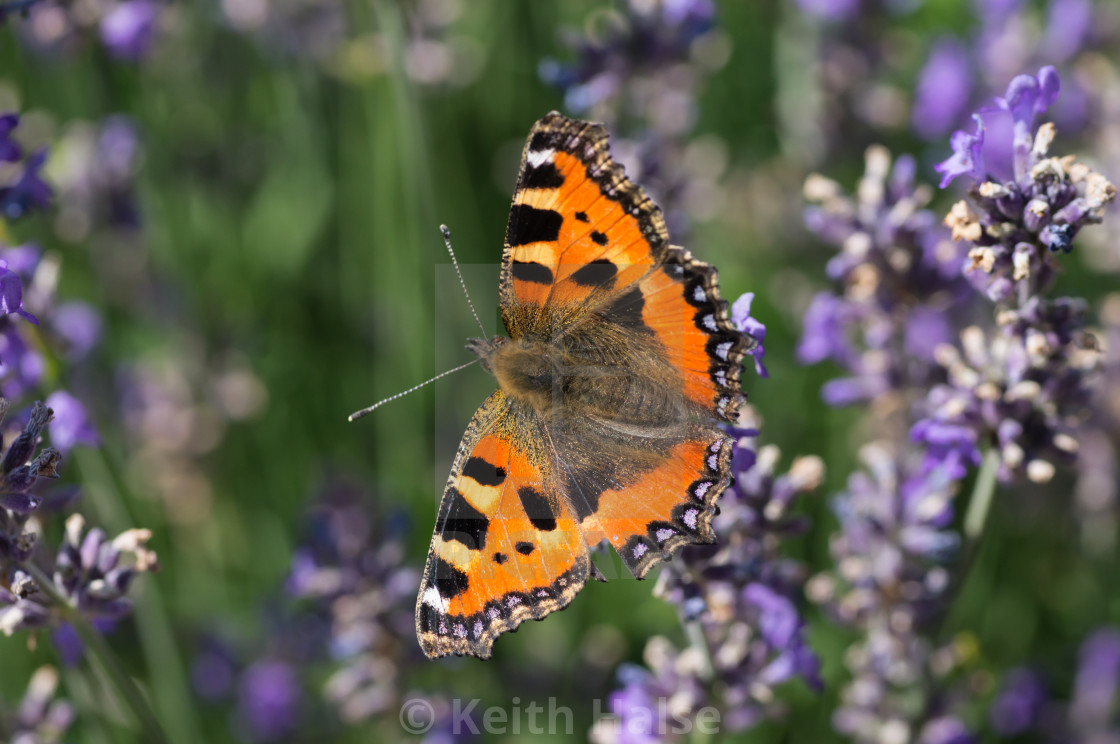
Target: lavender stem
979, 505
100, 650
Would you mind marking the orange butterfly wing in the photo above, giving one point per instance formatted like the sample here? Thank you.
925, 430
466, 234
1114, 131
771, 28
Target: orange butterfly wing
503, 551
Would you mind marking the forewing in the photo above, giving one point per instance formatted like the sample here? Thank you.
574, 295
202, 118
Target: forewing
578, 230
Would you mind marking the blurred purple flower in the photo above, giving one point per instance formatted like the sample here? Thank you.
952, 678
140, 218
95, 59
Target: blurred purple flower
71, 425
898, 283
967, 158
1069, 24
21, 367
40, 717
11, 294
1018, 704
10, 151
268, 701
639, 75
79, 325
830, 10
943, 89
741, 317
1095, 689
29, 191
128, 30
824, 335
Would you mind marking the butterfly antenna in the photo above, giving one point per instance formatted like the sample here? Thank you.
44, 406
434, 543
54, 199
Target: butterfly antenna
447, 241
358, 414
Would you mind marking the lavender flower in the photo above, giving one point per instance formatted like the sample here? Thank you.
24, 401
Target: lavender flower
944, 89
892, 557
898, 282
129, 29
28, 192
1024, 706
71, 425
739, 597
40, 717
968, 155
1023, 393
1018, 705
11, 294
268, 700
830, 10
741, 317
640, 77
10, 151
91, 573
1025, 386
359, 579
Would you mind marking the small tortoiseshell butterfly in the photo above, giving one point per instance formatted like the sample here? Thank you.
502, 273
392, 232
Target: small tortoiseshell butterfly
620, 360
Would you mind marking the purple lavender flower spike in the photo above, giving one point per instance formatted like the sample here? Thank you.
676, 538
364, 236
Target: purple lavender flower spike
741, 317
71, 425
967, 158
943, 91
129, 29
10, 152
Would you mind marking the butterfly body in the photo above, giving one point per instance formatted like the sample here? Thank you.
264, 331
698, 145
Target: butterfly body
619, 362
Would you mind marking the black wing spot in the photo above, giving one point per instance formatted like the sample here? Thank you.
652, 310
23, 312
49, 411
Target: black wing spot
531, 271
449, 581
465, 523
599, 273
483, 472
540, 141
627, 310
500, 558
531, 225
544, 176
599, 237
582, 217
524, 548
538, 508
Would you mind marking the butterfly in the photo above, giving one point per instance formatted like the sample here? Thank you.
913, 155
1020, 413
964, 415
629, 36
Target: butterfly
620, 362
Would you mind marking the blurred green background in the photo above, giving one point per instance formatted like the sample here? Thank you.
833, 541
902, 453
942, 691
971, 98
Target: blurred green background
289, 255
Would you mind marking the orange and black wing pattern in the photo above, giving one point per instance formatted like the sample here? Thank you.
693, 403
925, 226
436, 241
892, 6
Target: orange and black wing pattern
506, 548
634, 348
583, 241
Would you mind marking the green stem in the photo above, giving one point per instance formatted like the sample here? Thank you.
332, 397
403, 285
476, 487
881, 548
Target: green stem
108, 493
980, 504
698, 639
99, 650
